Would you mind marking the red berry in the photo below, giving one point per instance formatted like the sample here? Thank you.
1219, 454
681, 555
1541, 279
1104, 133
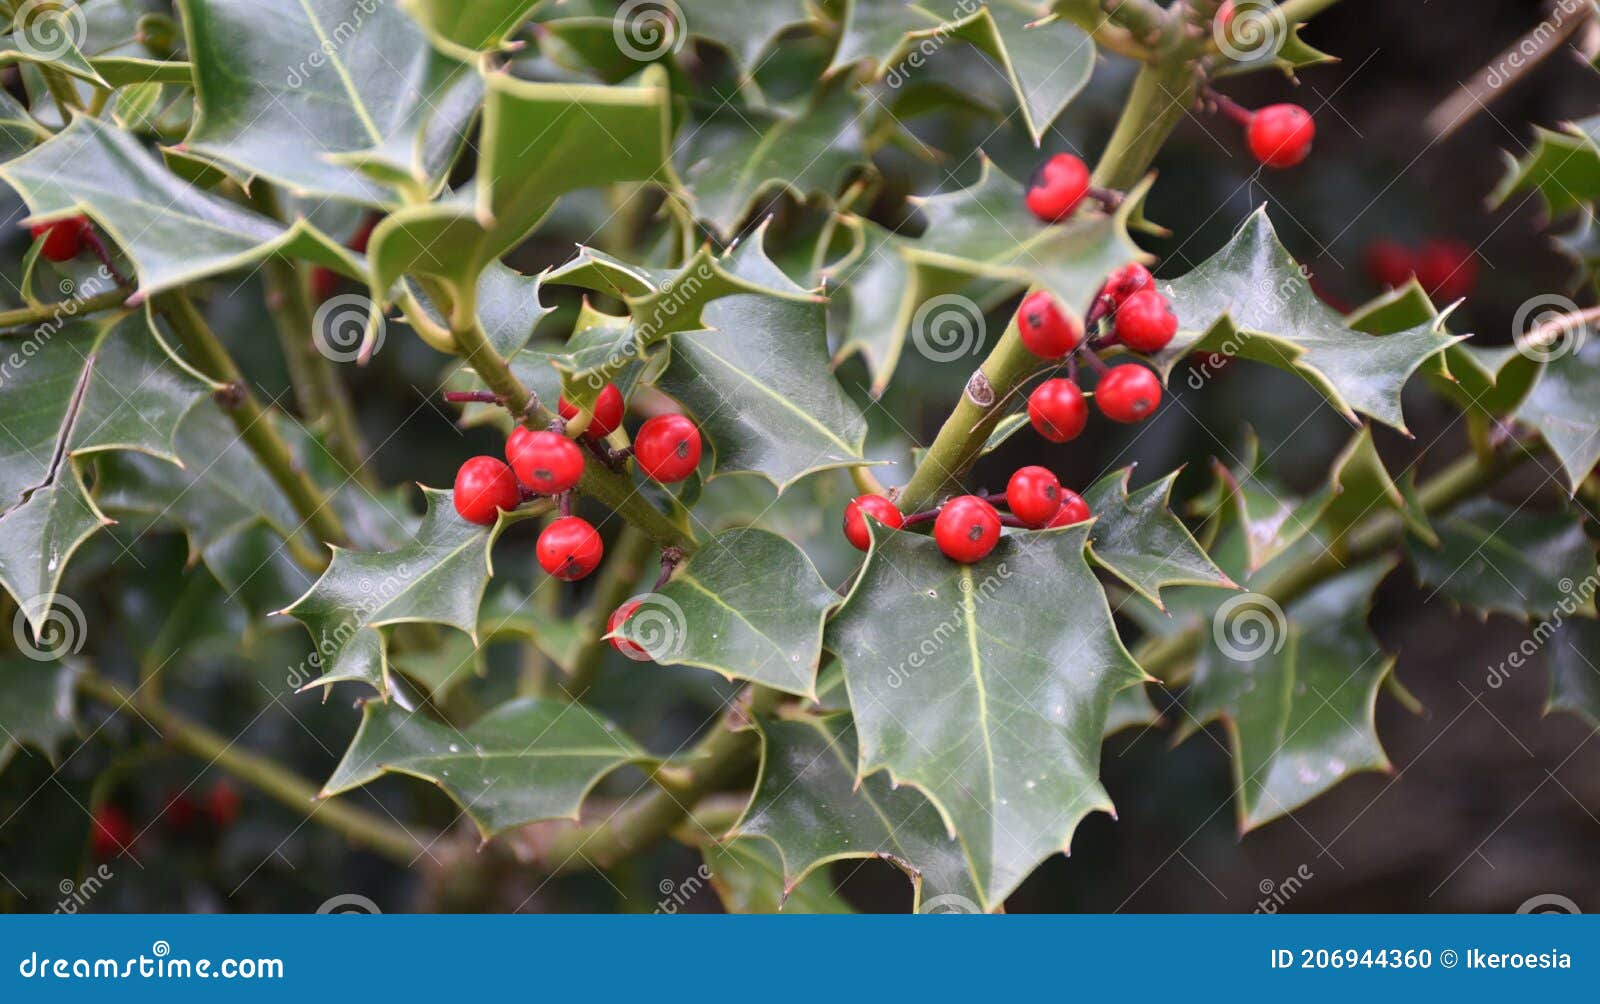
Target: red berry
1447, 269
569, 548
1145, 322
1073, 510
63, 239
483, 485
1057, 187
1128, 394
1225, 15
363, 236
623, 645
1047, 331
179, 811
222, 804
547, 462
110, 833
1057, 410
607, 412
1034, 495
876, 506
967, 529
1128, 280
667, 448
324, 282
1281, 135
1389, 264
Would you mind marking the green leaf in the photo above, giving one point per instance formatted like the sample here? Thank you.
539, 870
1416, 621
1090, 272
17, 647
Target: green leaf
19, 132
1495, 559
36, 706
748, 604
758, 383
88, 388
872, 30
49, 35
1137, 538
438, 578
748, 877
1296, 689
743, 27
985, 690
808, 807
173, 232
731, 160
1563, 167
1574, 668
468, 28
305, 92
524, 762
1251, 299
1562, 406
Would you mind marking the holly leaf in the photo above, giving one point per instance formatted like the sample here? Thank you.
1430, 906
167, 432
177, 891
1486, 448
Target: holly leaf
1000, 724
1574, 673
1492, 558
758, 383
748, 604
748, 878
310, 92
173, 232
49, 35
810, 809
1251, 299
438, 578
1563, 167
873, 30
1137, 538
733, 159
1561, 405
36, 706
87, 388
524, 762
1296, 690
468, 28
744, 27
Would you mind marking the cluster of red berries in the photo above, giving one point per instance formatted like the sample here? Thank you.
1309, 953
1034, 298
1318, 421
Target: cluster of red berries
112, 830
1447, 269
967, 528
547, 463
63, 239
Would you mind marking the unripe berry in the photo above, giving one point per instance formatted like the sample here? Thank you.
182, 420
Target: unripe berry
876, 506
967, 529
1057, 187
547, 462
1073, 510
1033, 495
1047, 331
484, 485
1389, 264
1281, 135
1128, 280
1146, 322
63, 239
623, 645
569, 548
667, 448
1057, 410
608, 408
1128, 393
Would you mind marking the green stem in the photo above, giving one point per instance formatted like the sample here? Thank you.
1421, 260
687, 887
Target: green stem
26, 317
254, 425
393, 841
613, 490
617, 579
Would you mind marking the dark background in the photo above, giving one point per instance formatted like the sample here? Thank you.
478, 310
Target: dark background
1489, 805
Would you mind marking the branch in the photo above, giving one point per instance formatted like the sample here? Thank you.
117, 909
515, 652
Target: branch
255, 427
396, 842
17, 322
